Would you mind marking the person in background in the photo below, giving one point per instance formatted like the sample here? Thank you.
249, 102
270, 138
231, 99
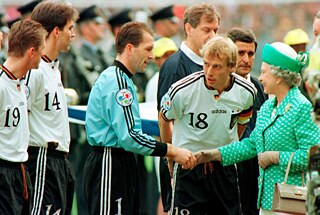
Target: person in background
312, 72
26, 42
51, 172
25, 12
248, 171
201, 22
284, 125
113, 125
165, 23
298, 39
91, 27
115, 21
316, 26
162, 50
4, 30
26, 9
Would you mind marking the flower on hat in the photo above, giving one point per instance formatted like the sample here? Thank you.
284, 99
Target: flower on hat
282, 55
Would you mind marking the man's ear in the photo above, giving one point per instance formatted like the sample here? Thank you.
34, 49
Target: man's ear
31, 52
56, 31
129, 49
232, 67
188, 28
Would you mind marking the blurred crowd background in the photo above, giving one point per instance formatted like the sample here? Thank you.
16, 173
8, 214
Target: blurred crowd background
269, 20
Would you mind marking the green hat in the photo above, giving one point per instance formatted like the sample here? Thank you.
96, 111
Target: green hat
285, 58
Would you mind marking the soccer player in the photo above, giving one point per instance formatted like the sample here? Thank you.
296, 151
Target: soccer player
113, 125
26, 42
208, 109
51, 173
201, 22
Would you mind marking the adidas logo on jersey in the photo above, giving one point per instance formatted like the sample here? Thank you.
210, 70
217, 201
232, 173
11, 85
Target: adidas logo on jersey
218, 111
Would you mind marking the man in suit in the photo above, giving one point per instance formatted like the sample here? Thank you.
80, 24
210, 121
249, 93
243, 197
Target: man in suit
248, 171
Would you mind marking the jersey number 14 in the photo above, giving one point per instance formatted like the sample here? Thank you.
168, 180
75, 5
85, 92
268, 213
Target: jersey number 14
54, 102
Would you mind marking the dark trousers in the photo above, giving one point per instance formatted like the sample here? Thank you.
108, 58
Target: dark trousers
248, 173
53, 180
208, 189
111, 182
15, 189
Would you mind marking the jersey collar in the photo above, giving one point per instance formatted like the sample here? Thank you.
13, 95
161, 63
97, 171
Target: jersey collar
190, 54
228, 88
52, 63
122, 67
8, 73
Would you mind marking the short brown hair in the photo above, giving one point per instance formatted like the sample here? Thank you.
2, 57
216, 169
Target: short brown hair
131, 32
23, 35
193, 14
54, 14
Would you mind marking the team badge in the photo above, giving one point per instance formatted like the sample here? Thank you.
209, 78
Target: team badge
166, 102
27, 91
124, 97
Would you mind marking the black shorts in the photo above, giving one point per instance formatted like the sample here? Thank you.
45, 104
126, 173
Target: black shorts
207, 189
111, 182
53, 181
165, 184
15, 189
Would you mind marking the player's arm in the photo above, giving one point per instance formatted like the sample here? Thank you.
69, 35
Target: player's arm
243, 120
165, 127
241, 129
179, 155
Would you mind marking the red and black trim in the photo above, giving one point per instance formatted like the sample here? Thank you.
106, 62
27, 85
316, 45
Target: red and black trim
9, 74
46, 59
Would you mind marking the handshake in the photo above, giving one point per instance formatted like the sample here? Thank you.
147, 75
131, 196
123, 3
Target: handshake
189, 160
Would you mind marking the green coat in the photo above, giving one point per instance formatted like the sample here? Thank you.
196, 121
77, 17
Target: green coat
287, 128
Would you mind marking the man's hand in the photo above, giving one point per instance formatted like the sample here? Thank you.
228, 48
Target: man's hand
267, 158
181, 156
204, 156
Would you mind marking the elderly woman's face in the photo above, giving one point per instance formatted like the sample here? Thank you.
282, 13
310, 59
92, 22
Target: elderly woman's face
268, 80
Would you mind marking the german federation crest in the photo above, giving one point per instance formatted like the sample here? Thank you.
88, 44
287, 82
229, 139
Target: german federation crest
166, 102
124, 97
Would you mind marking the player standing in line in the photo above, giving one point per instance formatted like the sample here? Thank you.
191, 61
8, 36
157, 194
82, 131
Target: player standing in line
201, 22
113, 125
51, 173
208, 109
26, 42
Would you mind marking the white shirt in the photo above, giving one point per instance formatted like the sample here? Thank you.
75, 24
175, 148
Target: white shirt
14, 131
48, 117
203, 119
